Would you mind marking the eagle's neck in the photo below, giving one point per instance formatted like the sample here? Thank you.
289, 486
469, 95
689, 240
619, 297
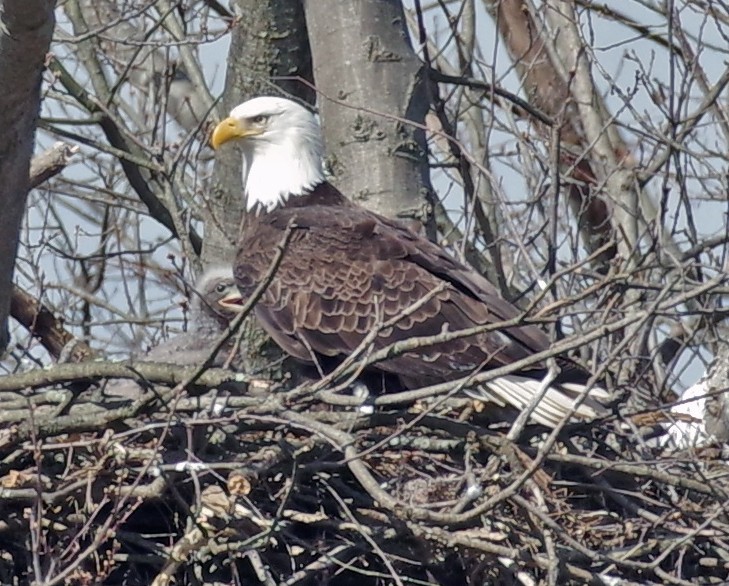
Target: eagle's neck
275, 172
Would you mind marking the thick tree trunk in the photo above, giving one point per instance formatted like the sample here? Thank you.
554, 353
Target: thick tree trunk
371, 83
269, 42
26, 27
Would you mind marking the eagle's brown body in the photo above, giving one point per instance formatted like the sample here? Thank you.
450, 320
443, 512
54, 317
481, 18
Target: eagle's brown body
347, 270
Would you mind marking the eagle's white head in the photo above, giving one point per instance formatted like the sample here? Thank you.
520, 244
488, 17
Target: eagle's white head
282, 149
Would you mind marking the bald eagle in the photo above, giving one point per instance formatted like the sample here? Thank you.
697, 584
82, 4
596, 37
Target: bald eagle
346, 271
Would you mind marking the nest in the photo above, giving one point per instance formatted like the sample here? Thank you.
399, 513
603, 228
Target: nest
232, 481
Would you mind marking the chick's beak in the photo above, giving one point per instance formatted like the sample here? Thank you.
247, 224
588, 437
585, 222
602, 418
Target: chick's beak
227, 130
232, 302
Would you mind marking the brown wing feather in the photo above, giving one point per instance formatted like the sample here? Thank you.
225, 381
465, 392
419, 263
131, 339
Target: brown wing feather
346, 268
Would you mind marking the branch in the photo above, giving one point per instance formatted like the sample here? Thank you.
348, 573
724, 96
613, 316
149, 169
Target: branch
50, 163
149, 372
40, 321
40, 427
115, 136
522, 107
547, 89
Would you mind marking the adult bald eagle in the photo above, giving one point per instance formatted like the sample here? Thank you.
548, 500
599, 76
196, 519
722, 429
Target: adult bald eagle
347, 269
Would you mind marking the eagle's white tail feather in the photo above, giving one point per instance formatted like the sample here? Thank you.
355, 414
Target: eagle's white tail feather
558, 400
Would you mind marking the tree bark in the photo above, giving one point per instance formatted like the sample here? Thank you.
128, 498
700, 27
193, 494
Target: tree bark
372, 83
26, 27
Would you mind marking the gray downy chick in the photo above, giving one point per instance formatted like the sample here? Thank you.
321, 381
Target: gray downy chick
215, 302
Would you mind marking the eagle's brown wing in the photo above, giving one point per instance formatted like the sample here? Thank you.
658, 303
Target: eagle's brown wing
347, 271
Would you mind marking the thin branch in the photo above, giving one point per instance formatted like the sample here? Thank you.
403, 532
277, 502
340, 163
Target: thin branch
116, 138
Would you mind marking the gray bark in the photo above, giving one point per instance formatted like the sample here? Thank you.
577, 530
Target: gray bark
363, 59
26, 27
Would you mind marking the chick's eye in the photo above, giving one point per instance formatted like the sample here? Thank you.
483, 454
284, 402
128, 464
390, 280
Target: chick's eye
260, 119
221, 287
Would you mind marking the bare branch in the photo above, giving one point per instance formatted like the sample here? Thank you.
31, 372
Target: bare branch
50, 163
40, 321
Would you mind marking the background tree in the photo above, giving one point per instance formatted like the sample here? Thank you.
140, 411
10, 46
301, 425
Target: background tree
572, 153
24, 40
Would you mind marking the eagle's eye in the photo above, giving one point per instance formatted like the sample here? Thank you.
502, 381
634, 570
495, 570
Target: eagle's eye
260, 120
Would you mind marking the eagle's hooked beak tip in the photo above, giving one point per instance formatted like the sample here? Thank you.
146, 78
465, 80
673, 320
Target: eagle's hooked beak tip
225, 131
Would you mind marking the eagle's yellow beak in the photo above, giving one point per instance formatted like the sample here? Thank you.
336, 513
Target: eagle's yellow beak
229, 129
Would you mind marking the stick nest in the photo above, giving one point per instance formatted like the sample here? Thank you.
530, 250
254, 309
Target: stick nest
247, 484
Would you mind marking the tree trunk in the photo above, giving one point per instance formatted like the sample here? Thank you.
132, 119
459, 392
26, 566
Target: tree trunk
371, 81
25, 35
